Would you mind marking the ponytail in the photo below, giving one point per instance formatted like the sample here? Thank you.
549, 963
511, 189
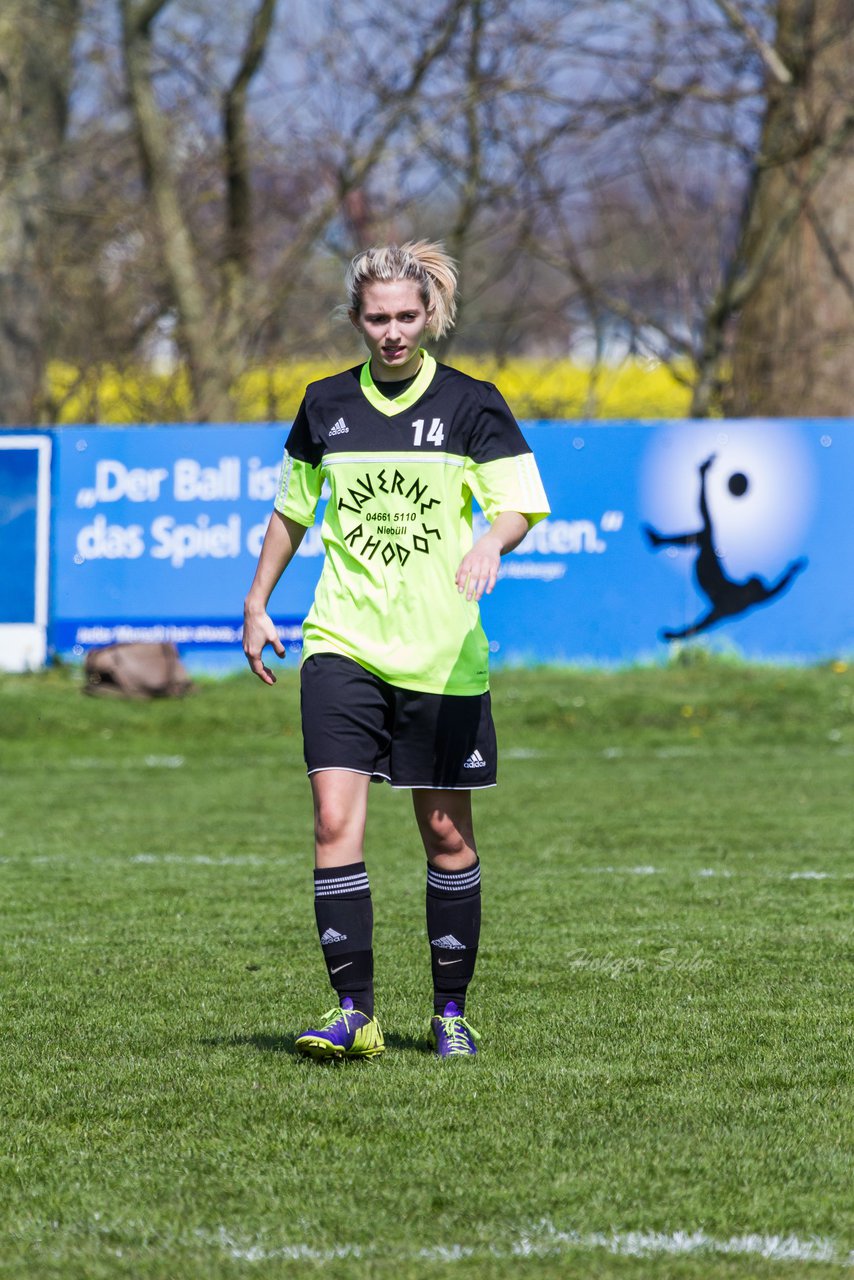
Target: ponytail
425, 262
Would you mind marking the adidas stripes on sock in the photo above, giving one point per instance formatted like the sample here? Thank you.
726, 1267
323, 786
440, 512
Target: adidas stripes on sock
345, 925
453, 927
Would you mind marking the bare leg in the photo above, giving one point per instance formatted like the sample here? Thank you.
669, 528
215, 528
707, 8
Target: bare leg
445, 822
340, 815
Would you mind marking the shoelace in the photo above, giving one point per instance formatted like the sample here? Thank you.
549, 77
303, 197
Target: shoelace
334, 1016
455, 1029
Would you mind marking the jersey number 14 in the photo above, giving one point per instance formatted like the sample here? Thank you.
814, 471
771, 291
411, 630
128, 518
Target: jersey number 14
435, 432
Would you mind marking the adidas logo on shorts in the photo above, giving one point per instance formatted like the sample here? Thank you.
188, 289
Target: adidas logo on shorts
449, 942
475, 761
340, 428
331, 936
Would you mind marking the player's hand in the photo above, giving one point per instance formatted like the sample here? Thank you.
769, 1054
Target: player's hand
478, 571
259, 630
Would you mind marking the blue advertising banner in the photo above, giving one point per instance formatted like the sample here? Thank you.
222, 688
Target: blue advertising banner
24, 547
19, 470
739, 533
156, 533
736, 532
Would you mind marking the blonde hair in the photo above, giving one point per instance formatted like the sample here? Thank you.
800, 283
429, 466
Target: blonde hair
425, 262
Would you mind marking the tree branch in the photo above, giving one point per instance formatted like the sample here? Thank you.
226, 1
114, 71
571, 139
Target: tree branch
179, 248
473, 174
140, 16
774, 64
363, 158
236, 144
830, 251
596, 298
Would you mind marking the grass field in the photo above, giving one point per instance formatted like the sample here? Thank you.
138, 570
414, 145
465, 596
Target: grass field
664, 993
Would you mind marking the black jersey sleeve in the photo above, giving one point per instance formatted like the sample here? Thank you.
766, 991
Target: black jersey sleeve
301, 444
495, 432
300, 482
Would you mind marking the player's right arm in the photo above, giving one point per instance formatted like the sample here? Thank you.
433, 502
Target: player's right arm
281, 540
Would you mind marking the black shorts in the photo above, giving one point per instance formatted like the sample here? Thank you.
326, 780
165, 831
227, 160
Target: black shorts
351, 719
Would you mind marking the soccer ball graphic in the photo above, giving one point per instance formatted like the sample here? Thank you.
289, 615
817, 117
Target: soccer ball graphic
760, 491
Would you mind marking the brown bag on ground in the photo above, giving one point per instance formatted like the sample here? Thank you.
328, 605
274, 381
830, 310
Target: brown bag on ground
136, 671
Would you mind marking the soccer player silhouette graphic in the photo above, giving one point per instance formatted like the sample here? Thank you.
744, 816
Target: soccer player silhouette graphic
726, 596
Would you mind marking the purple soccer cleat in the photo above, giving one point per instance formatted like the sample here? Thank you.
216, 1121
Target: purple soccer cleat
346, 1033
452, 1035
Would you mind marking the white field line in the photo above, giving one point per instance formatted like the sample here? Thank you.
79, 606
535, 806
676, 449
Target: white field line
256, 860
202, 860
617, 871
150, 762
543, 1240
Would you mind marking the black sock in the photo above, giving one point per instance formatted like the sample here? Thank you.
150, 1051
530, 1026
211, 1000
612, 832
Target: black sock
453, 927
345, 923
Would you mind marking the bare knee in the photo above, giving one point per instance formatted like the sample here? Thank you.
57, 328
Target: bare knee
334, 821
448, 842
340, 806
442, 836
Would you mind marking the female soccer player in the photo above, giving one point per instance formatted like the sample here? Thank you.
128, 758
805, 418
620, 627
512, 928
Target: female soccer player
394, 679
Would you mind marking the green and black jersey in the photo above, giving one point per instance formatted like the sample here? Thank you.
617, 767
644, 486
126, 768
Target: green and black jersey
401, 475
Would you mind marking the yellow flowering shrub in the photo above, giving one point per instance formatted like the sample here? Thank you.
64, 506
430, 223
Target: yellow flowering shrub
533, 388
562, 389
113, 396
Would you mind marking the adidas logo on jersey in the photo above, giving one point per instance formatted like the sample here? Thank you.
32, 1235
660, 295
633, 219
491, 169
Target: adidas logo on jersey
331, 936
449, 942
340, 428
475, 761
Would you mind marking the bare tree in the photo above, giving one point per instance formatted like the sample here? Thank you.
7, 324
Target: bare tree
714, 229
619, 179
756, 311
790, 284
35, 68
220, 312
209, 311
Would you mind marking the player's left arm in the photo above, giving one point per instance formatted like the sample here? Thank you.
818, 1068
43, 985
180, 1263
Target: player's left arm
478, 571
